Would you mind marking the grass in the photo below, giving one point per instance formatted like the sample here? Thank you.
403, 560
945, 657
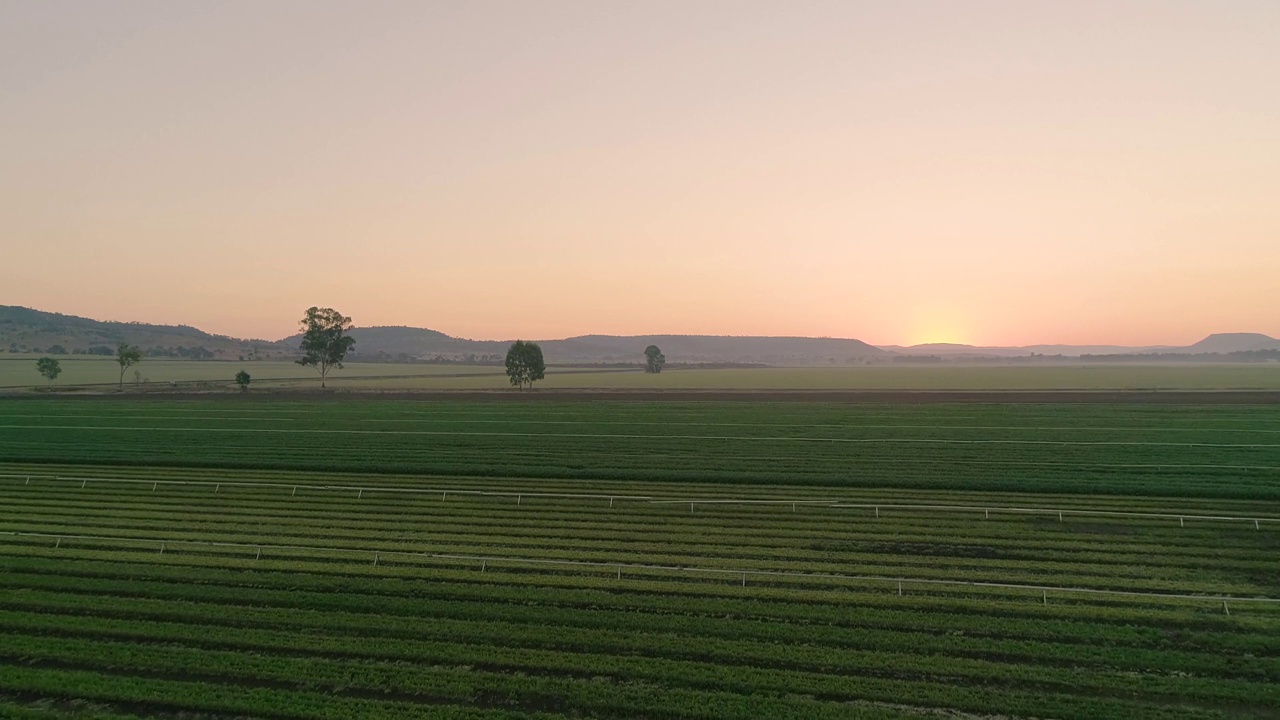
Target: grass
442, 559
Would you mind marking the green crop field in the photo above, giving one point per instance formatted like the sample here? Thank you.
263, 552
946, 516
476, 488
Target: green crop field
1228, 451
321, 558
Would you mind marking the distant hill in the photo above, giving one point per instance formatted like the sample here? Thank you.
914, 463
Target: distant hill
400, 343
715, 348
394, 340
1233, 342
26, 330
1220, 343
416, 342
955, 350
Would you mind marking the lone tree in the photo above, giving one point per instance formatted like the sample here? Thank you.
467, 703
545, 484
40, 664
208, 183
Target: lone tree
654, 359
524, 363
324, 340
127, 356
242, 379
49, 368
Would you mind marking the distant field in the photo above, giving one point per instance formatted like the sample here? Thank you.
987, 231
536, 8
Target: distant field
1083, 377
81, 370
18, 373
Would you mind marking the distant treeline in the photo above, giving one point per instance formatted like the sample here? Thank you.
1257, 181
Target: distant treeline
1237, 356
382, 356
188, 353
498, 360
194, 353
198, 352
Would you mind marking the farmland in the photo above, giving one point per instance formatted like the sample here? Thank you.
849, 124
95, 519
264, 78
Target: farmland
18, 374
877, 377
1193, 451
304, 558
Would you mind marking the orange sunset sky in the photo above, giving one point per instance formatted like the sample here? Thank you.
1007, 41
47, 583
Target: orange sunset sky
899, 172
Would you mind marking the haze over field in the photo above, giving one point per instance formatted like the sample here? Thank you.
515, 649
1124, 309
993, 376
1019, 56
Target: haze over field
990, 173
24, 330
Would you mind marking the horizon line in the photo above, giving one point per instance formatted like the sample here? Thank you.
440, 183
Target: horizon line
667, 334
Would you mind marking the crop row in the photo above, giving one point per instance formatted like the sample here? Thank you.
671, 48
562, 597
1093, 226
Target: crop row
548, 635
1033, 573
595, 428
884, 546
389, 511
823, 603
145, 482
454, 609
351, 499
394, 511
787, 413
1206, 558
178, 696
888, 549
589, 683
877, 685
760, 644
656, 637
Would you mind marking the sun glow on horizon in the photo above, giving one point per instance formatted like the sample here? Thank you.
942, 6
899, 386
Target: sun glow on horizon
941, 338
946, 341
939, 325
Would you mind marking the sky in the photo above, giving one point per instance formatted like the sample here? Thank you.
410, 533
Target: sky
994, 173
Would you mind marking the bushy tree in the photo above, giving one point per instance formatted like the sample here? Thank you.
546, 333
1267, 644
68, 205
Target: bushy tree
49, 368
243, 379
324, 340
127, 356
654, 359
525, 364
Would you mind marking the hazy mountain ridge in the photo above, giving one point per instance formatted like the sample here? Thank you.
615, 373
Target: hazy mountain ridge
620, 348
1219, 343
1233, 342
718, 348
960, 350
24, 329
28, 330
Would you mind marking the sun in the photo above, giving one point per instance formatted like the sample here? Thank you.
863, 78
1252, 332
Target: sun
939, 327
